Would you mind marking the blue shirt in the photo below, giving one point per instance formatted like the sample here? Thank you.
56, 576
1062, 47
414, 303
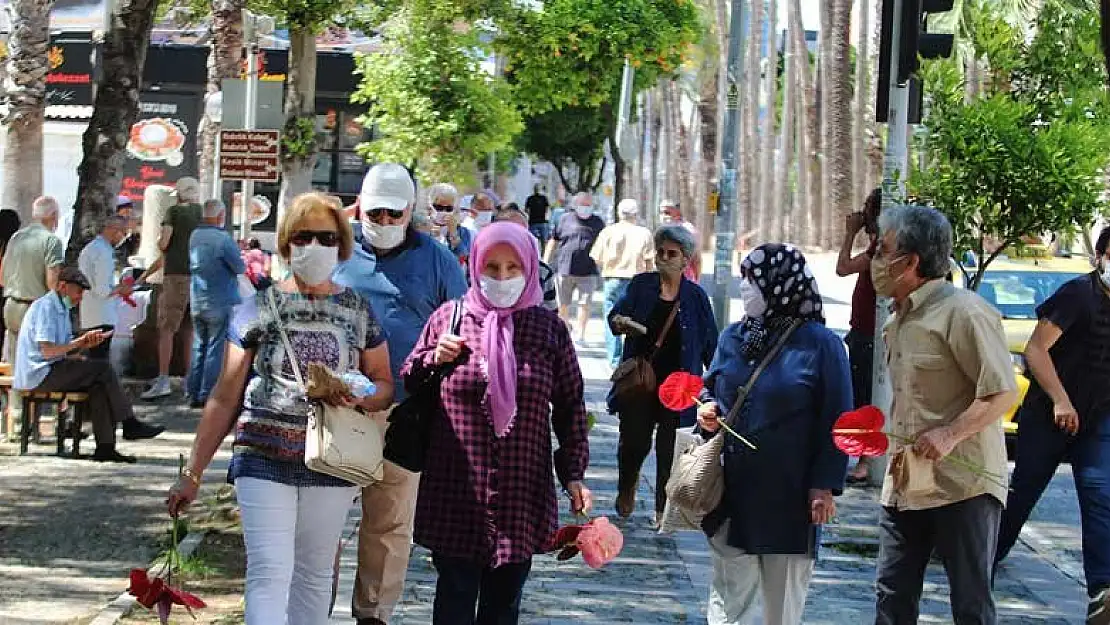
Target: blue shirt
215, 263
47, 321
788, 416
697, 326
404, 286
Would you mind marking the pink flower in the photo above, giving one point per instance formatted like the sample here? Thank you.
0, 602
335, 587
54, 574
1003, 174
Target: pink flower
600, 542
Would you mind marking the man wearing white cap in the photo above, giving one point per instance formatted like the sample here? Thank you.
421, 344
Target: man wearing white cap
621, 251
406, 275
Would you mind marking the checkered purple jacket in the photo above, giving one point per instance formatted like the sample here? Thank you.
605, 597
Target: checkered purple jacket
489, 499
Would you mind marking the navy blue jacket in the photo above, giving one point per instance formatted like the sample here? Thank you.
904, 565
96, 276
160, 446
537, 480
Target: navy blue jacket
788, 416
696, 323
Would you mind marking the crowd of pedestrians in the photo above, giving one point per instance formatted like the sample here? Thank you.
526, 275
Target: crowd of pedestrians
498, 297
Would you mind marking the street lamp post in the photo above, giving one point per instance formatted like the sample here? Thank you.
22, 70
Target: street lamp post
724, 223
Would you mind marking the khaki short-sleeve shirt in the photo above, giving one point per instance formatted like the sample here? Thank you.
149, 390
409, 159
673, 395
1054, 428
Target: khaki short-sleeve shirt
31, 251
946, 349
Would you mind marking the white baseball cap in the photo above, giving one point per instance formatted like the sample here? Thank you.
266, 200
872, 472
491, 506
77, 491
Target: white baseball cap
628, 206
387, 185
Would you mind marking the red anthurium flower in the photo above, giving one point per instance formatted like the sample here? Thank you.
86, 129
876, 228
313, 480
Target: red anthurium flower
599, 541
860, 432
154, 593
680, 390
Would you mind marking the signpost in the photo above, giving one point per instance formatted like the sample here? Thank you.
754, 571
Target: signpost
251, 156
724, 221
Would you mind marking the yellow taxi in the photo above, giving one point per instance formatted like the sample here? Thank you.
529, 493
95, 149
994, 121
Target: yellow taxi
1016, 286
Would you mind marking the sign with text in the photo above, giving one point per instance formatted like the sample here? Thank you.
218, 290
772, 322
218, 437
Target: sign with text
70, 77
163, 146
250, 155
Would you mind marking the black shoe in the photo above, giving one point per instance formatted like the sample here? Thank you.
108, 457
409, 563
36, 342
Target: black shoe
1098, 610
135, 430
109, 454
196, 403
370, 621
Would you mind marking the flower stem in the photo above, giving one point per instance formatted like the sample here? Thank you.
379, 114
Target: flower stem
733, 432
959, 461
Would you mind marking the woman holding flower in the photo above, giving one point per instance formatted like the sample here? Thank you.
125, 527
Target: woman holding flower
764, 535
487, 502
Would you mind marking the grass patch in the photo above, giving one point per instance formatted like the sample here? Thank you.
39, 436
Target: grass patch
860, 549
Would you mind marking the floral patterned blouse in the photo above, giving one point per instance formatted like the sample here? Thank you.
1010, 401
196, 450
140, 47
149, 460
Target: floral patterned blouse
489, 499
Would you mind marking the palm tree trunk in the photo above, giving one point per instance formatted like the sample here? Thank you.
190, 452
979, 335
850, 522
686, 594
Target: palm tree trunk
809, 166
224, 61
863, 96
838, 153
114, 111
747, 182
1104, 32
782, 196
26, 91
708, 113
299, 149
770, 211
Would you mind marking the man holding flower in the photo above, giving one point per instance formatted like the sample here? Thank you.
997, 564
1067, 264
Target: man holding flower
953, 381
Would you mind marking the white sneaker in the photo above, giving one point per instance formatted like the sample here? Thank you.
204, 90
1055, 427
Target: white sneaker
160, 388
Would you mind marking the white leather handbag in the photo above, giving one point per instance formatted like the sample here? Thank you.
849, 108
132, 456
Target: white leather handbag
339, 441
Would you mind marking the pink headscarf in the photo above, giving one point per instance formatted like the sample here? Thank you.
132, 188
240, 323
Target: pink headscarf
497, 323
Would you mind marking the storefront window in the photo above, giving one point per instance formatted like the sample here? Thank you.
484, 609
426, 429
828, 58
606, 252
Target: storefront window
339, 167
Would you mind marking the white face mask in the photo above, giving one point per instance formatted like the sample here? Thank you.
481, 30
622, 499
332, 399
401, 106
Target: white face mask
754, 303
1105, 273
483, 218
439, 218
502, 293
314, 263
382, 237
584, 211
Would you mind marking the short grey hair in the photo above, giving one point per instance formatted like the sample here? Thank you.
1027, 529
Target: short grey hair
43, 207
116, 221
188, 189
678, 235
923, 231
444, 190
213, 208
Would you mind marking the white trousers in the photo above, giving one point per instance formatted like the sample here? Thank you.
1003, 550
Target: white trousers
290, 535
739, 578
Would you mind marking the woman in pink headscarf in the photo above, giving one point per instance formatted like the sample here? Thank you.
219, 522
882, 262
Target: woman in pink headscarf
487, 500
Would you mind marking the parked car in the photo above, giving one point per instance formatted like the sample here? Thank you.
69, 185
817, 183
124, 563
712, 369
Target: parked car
1016, 286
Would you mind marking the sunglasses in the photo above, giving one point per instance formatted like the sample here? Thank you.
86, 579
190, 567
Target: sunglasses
443, 208
377, 213
327, 238
668, 254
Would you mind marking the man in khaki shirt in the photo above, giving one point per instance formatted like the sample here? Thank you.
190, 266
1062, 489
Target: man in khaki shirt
30, 267
621, 251
953, 380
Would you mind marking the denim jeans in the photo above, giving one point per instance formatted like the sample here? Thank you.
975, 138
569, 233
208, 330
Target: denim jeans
463, 586
209, 336
614, 345
542, 232
1041, 446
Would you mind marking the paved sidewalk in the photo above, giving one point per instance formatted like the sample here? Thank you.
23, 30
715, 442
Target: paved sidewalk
664, 578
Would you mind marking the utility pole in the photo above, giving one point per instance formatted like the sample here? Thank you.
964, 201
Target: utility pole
724, 222
246, 202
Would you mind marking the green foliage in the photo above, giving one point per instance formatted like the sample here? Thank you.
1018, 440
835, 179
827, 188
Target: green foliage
572, 53
998, 169
311, 15
298, 138
1064, 59
572, 135
429, 99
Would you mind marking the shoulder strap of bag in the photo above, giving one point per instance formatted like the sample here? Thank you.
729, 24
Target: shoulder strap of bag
663, 332
743, 393
289, 353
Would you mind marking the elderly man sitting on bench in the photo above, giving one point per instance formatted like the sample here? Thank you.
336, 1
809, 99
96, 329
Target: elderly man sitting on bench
47, 359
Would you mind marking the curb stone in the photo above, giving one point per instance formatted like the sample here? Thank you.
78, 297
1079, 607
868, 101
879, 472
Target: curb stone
122, 605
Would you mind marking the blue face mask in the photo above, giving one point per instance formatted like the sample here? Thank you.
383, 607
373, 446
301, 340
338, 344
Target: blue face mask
68, 302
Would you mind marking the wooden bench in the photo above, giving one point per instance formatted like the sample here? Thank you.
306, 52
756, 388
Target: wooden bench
76, 402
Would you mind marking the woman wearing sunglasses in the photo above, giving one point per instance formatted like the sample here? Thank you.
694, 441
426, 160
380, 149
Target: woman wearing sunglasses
487, 499
443, 201
681, 335
292, 516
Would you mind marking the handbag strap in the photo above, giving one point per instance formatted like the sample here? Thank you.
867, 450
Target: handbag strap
742, 394
663, 332
289, 353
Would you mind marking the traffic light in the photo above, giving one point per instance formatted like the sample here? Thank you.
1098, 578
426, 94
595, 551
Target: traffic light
914, 43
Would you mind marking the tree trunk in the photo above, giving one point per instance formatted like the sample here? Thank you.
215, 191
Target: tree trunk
26, 91
863, 95
115, 110
657, 139
225, 61
679, 170
748, 176
770, 211
838, 153
1104, 14
784, 222
299, 149
809, 172
708, 112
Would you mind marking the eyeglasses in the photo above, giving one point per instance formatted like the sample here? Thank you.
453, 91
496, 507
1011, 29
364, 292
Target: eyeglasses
441, 208
378, 213
327, 238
